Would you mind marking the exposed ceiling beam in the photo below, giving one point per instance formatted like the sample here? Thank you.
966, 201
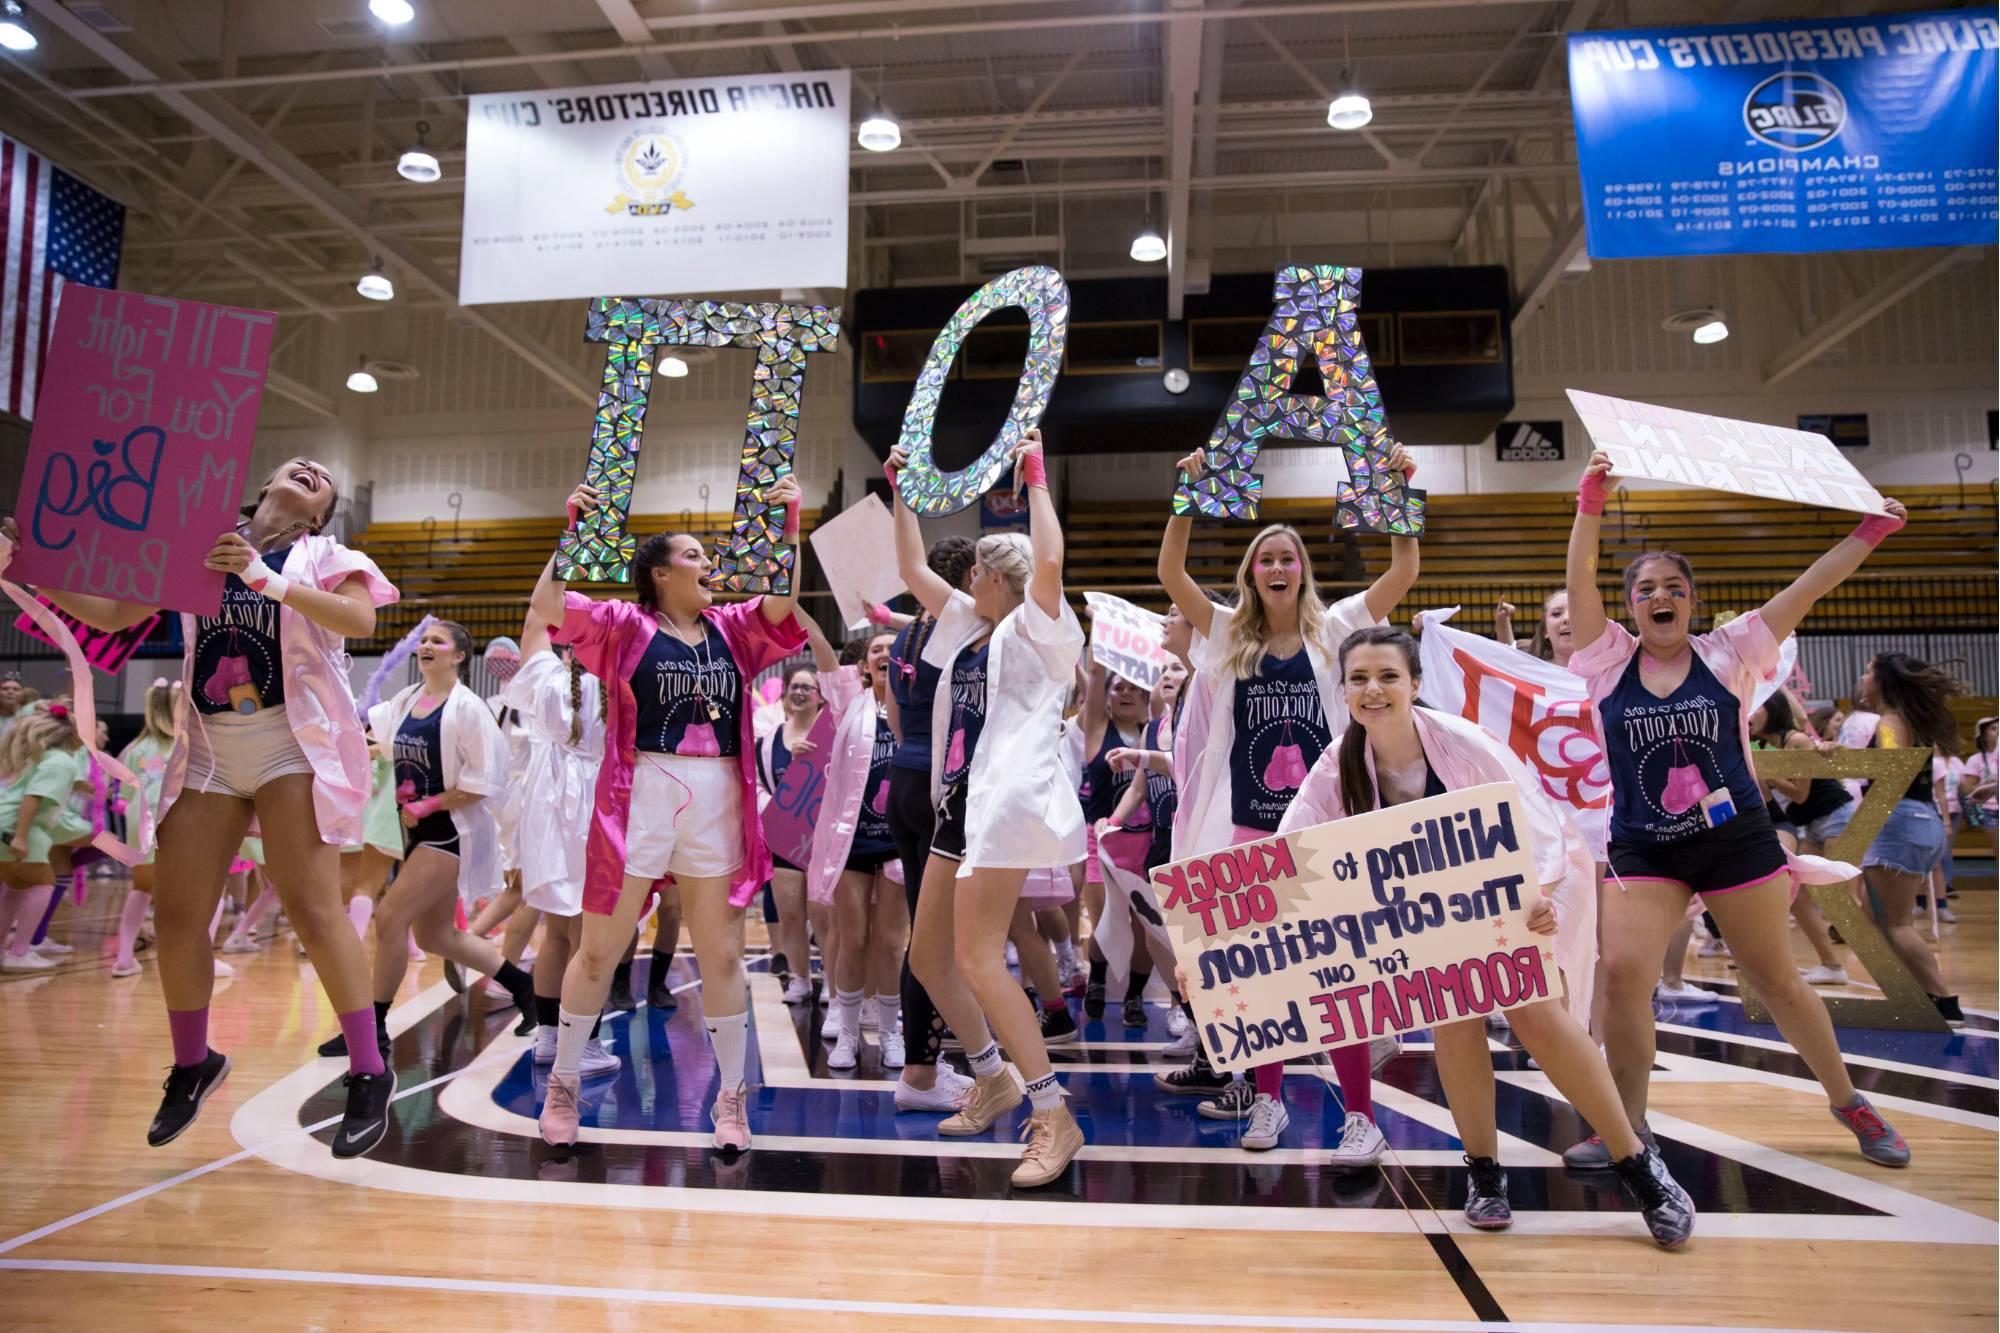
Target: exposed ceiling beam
1295, 181
1013, 132
185, 82
238, 133
283, 284
558, 71
783, 53
1830, 332
1564, 247
632, 31
312, 400
1182, 79
1471, 94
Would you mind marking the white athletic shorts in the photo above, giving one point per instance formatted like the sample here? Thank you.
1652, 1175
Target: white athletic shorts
235, 754
687, 817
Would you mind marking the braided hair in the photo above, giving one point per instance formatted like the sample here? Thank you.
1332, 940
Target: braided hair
576, 674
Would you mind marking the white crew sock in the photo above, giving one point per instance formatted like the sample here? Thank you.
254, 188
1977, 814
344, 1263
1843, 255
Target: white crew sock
729, 1034
572, 1033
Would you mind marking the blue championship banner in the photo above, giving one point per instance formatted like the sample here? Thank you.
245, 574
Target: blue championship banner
1819, 134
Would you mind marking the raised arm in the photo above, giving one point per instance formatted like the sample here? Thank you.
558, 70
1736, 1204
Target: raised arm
923, 582
534, 632
1045, 535
1783, 613
1503, 623
547, 599
824, 658
1196, 609
1586, 607
1395, 582
1095, 715
785, 491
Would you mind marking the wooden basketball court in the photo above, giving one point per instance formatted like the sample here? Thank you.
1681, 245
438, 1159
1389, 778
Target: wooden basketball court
847, 1215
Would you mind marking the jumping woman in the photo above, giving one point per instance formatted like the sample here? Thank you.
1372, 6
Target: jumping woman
1686, 814
677, 792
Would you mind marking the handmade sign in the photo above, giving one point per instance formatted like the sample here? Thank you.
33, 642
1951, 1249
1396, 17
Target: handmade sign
1127, 640
1375, 924
1904, 1005
1721, 454
141, 439
105, 650
1316, 315
856, 550
1041, 292
754, 558
794, 807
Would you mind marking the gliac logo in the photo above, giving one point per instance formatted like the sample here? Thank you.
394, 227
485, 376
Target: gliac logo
647, 165
1794, 111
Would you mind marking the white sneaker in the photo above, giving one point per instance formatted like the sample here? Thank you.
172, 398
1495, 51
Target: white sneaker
1822, 975
830, 1029
1361, 1143
1712, 948
1945, 915
893, 1054
55, 949
596, 1061
1177, 1023
545, 1044
131, 969
1013, 955
1381, 1051
798, 990
871, 1018
1685, 993
223, 970
1181, 1047
945, 1095
24, 962
1268, 1119
846, 1051
237, 944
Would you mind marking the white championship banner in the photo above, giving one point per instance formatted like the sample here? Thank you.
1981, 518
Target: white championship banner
685, 186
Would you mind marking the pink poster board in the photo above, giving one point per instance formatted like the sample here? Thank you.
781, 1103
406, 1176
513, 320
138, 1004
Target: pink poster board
105, 650
140, 447
794, 806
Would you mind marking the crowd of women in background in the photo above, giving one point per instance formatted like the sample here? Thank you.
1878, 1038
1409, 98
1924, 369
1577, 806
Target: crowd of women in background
988, 800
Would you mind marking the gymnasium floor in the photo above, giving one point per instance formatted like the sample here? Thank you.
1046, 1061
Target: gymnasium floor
847, 1215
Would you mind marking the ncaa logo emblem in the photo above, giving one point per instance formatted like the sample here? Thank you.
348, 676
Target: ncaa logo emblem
1794, 111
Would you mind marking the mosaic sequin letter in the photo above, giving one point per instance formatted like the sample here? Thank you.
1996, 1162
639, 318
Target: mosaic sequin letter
1041, 292
755, 558
1316, 314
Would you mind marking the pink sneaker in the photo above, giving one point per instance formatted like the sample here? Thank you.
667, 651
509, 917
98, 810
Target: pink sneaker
732, 1124
560, 1112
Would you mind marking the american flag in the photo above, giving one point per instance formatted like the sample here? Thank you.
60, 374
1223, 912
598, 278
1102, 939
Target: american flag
56, 228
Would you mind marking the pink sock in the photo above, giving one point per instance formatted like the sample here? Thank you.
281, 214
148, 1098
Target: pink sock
246, 925
359, 911
10, 908
363, 1055
416, 954
27, 915
215, 922
1350, 1066
1270, 1080
129, 922
190, 1029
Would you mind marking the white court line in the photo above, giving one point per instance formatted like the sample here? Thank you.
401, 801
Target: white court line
825, 1305
1694, 1069
1824, 992
1865, 1061
403, 1016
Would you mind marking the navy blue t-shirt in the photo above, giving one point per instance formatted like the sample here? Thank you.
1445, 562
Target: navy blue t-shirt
1281, 728
872, 839
1162, 800
777, 758
688, 697
968, 711
1102, 787
419, 751
238, 667
914, 682
1666, 754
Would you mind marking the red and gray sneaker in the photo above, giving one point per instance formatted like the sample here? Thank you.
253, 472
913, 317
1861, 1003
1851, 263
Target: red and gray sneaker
1592, 1155
1668, 1211
1880, 1143
1486, 1205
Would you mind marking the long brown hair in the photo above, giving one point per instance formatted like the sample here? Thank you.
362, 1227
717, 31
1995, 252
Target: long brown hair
1357, 790
1921, 695
576, 674
653, 553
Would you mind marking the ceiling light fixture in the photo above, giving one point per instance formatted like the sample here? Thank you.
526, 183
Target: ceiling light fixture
673, 367
1351, 109
14, 32
395, 13
1149, 247
1712, 332
418, 163
361, 381
879, 133
375, 284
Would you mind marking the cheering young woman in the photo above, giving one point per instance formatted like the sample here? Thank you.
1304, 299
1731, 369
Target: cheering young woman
677, 793
1687, 817
1392, 753
1271, 665
1007, 651
268, 730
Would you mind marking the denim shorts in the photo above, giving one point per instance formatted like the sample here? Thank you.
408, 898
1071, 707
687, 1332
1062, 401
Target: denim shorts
1912, 841
1828, 826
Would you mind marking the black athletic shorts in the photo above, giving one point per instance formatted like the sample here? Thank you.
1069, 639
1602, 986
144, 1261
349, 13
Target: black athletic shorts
434, 830
1741, 853
949, 839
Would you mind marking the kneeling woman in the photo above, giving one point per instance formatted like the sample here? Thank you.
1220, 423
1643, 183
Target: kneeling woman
677, 793
450, 767
1393, 753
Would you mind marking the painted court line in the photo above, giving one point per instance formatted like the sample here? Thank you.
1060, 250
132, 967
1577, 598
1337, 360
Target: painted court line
824, 1305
